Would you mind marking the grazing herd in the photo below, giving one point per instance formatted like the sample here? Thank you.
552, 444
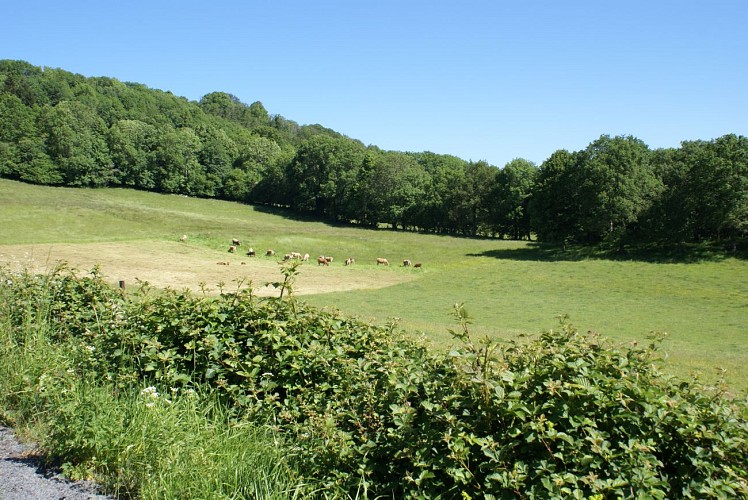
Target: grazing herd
322, 260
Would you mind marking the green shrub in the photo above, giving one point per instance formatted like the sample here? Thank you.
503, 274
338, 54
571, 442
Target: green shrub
367, 412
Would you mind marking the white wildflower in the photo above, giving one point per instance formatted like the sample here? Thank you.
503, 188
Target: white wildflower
149, 392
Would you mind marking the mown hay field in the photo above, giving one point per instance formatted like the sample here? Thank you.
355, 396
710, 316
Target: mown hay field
509, 288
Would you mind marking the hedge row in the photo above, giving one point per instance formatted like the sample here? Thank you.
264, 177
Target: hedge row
560, 414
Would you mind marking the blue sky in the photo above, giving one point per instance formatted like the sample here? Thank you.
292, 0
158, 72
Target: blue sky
481, 80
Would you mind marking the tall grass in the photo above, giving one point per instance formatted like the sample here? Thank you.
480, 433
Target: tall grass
166, 446
136, 442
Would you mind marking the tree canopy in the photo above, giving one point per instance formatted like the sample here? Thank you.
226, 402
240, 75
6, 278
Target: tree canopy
60, 128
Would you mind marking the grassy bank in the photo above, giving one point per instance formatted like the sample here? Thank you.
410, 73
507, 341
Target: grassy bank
132, 440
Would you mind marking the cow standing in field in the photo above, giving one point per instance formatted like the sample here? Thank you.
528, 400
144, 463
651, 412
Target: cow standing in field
236, 242
270, 252
406, 263
418, 265
323, 261
232, 249
382, 261
183, 238
251, 252
305, 258
350, 261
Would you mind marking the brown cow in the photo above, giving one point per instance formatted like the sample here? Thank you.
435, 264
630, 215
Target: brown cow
232, 249
382, 261
417, 264
270, 252
323, 261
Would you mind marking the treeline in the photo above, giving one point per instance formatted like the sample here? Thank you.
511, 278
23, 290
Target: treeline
59, 128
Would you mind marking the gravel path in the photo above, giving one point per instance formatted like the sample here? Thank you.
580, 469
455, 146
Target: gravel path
23, 478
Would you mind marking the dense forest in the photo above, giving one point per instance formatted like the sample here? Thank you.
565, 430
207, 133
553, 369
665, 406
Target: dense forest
60, 128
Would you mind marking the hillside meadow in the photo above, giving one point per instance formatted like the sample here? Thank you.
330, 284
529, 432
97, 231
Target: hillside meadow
509, 288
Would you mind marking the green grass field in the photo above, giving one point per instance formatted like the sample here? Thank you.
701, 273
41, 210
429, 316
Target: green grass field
509, 288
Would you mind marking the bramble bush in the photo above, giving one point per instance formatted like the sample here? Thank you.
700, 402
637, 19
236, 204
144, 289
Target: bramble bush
371, 412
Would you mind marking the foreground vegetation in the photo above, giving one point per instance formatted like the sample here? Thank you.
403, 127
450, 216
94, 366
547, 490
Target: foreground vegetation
320, 404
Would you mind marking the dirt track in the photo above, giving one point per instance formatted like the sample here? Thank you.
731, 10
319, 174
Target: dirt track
184, 266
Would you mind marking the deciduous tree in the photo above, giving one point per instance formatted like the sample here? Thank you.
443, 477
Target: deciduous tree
510, 198
75, 138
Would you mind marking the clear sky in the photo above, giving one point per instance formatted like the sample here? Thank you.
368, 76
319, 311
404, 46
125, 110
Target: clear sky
481, 80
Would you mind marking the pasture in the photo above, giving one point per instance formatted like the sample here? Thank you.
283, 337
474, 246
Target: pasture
509, 288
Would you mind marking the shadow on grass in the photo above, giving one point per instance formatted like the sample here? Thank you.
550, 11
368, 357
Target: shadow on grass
290, 214
675, 254
293, 215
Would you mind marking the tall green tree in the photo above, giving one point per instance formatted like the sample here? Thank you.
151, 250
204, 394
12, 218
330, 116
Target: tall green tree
595, 195
510, 198
555, 206
56, 84
103, 95
273, 187
397, 186
623, 185
178, 168
717, 187
259, 116
16, 125
362, 200
75, 138
444, 176
217, 155
472, 204
668, 219
132, 145
21, 79
322, 174
255, 157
